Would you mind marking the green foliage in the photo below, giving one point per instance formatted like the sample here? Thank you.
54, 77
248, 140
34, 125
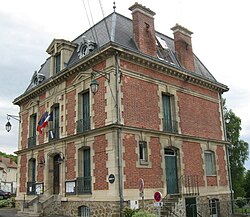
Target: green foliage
247, 184
14, 157
129, 212
4, 203
143, 214
238, 151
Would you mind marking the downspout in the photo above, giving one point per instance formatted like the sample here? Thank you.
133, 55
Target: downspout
227, 152
119, 139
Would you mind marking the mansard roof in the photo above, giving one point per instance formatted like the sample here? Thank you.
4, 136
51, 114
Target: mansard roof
117, 29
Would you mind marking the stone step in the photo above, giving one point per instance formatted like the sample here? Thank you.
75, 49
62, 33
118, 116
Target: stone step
28, 214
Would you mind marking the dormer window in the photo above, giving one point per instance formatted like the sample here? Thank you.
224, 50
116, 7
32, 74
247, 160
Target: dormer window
61, 52
37, 78
57, 63
85, 47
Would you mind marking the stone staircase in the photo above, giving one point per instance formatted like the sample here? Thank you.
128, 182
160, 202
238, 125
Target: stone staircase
35, 207
169, 204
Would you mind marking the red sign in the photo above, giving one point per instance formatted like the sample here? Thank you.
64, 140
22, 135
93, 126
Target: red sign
157, 196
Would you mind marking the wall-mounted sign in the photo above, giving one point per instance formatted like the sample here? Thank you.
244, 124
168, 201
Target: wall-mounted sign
111, 178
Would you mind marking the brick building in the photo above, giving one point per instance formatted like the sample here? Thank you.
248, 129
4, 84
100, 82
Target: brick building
125, 103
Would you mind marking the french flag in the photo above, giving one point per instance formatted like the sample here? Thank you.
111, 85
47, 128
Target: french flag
43, 122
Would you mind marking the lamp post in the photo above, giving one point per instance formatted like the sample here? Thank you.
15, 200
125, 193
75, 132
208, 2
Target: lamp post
8, 124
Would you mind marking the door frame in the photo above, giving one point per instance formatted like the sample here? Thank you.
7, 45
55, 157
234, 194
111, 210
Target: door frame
170, 152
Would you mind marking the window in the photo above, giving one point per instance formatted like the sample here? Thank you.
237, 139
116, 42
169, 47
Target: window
210, 163
83, 123
84, 180
143, 152
57, 63
83, 211
169, 125
32, 131
54, 123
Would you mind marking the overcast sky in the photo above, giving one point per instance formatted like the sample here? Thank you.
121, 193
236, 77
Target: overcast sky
220, 40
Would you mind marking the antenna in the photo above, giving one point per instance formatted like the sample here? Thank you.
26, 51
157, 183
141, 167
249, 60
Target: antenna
114, 6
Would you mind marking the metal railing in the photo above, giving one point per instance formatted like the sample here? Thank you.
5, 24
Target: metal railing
83, 185
189, 184
83, 125
170, 126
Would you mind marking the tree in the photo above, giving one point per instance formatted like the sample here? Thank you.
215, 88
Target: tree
247, 184
238, 151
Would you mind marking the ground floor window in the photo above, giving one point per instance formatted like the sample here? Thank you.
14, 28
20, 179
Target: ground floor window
83, 211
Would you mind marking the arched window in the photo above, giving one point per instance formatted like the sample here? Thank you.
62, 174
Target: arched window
83, 211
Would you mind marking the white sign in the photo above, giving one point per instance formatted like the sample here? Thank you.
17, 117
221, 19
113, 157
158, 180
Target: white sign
158, 204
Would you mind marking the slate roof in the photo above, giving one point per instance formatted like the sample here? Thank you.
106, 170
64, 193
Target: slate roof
120, 32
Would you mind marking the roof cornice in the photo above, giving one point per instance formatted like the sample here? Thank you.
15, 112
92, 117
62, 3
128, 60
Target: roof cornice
138, 58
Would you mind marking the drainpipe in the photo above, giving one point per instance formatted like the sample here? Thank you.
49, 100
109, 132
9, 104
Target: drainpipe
119, 139
227, 153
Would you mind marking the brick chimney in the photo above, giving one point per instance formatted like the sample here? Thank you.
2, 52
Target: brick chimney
143, 28
183, 46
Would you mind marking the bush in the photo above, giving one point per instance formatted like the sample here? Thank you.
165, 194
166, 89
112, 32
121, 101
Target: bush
4, 203
129, 212
143, 214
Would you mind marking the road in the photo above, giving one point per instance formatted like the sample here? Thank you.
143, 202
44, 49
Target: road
12, 212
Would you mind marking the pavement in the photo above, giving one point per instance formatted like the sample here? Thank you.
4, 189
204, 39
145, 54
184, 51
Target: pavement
12, 212
8, 212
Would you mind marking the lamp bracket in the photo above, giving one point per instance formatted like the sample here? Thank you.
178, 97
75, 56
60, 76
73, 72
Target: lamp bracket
103, 74
15, 117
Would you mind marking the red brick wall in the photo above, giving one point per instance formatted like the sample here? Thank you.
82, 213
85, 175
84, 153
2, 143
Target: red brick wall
70, 161
23, 171
140, 103
99, 104
71, 113
221, 163
199, 117
100, 158
168, 79
211, 180
152, 176
40, 167
42, 97
25, 125
192, 159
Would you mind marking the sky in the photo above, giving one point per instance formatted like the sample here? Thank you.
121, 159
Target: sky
220, 40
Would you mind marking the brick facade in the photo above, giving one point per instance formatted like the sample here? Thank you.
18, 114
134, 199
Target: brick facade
23, 173
199, 117
70, 161
40, 166
71, 113
140, 102
99, 160
193, 162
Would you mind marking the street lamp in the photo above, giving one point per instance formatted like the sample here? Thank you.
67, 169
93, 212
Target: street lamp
8, 124
94, 86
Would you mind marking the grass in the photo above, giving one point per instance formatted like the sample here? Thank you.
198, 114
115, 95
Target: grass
242, 210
